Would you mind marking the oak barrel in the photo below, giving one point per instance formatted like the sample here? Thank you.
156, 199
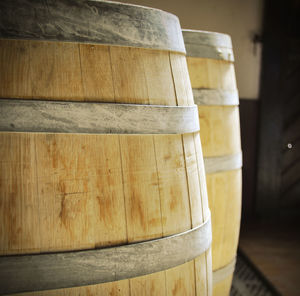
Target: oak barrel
211, 67
99, 195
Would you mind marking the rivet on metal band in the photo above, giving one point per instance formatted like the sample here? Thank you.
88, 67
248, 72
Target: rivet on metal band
223, 273
203, 44
223, 163
70, 269
215, 97
96, 118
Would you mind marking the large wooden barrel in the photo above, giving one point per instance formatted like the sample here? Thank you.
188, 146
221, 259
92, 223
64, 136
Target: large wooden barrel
210, 64
102, 183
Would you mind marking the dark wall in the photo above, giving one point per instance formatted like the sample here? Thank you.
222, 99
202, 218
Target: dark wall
278, 169
249, 125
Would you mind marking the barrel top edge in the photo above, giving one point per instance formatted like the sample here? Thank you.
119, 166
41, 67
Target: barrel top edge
199, 37
139, 6
205, 32
95, 21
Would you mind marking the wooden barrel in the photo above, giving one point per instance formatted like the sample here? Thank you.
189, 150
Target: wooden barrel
210, 64
102, 183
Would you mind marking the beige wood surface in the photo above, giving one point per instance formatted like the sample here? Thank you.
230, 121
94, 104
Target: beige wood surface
74, 191
209, 73
220, 136
223, 288
220, 130
224, 192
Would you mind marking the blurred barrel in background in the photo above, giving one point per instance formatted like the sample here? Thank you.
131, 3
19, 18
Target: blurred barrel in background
90, 158
210, 63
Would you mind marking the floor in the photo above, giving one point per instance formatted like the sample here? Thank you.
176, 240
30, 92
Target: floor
274, 249
247, 281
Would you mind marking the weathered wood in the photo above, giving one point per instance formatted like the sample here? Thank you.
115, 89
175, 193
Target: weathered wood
223, 163
71, 269
208, 45
92, 22
215, 97
96, 118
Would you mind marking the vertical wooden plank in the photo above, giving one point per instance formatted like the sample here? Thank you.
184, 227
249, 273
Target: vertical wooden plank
223, 288
140, 188
55, 70
173, 188
202, 177
182, 82
158, 74
210, 73
201, 275
105, 169
232, 218
194, 181
19, 203
128, 75
181, 280
216, 187
220, 130
152, 284
96, 73
209, 274
199, 78
15, 69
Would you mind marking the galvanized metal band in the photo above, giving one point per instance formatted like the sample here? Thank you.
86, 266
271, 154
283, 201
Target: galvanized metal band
210, 45
62, 270
223, 163
100, 22
223, 273
216, 97
96, 118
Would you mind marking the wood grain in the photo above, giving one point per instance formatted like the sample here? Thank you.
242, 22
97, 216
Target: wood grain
85, 191
211, 74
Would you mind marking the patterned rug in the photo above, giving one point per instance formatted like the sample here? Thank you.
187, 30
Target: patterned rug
248, 281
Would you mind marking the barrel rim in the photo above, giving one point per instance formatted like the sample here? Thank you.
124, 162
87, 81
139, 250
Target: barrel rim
221, 39
91, 21
205, 44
